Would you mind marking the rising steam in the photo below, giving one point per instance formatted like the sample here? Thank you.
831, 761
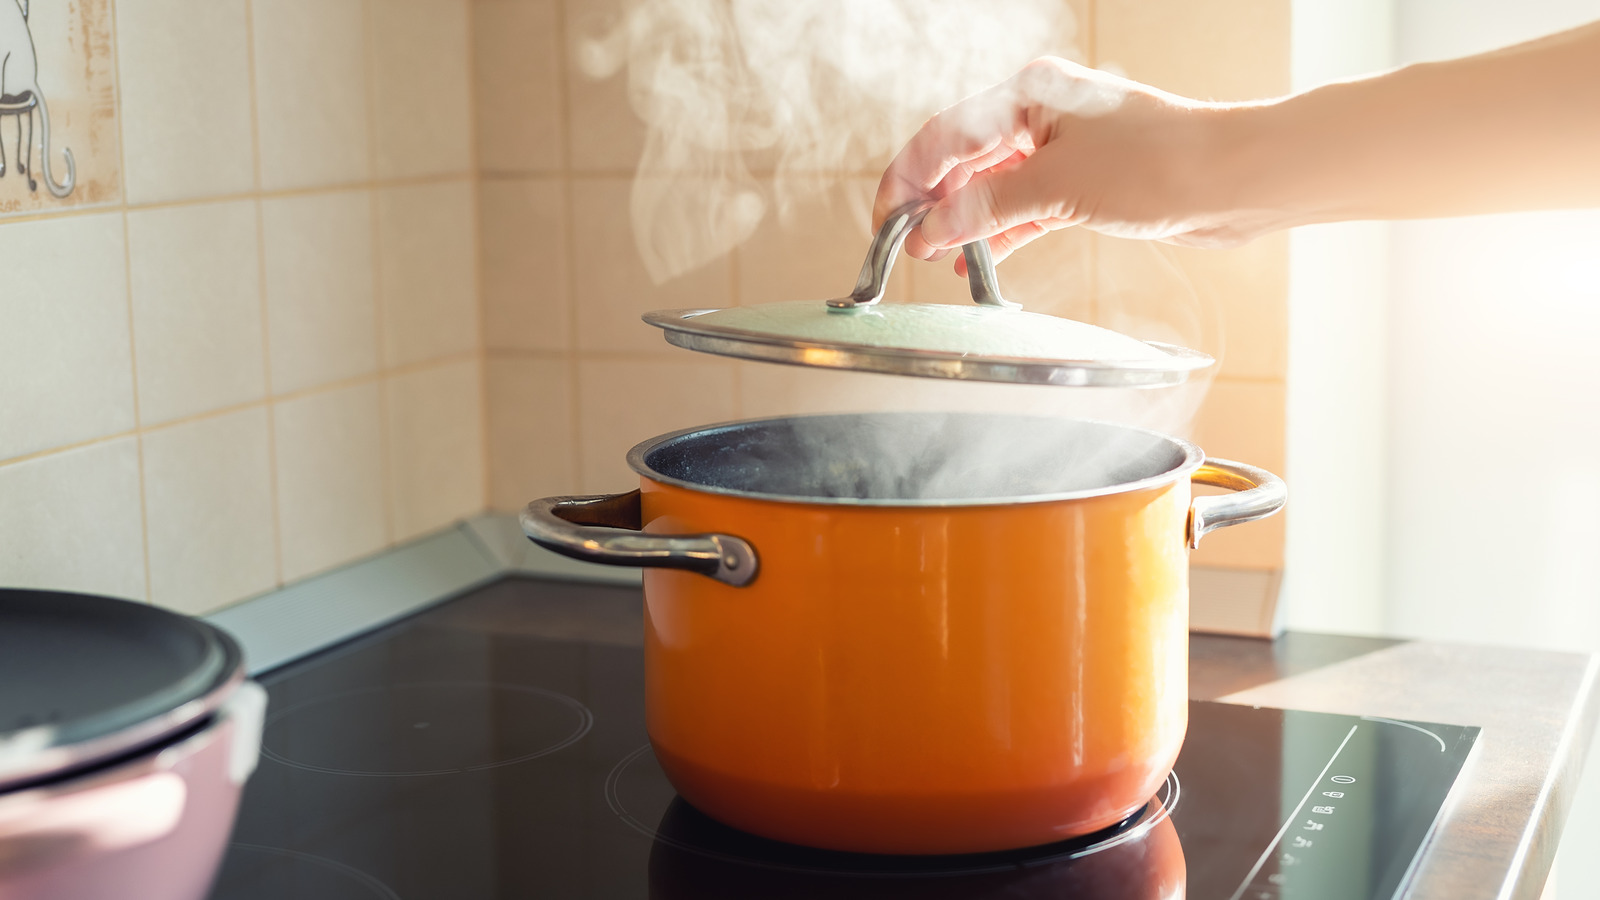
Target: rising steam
806, 91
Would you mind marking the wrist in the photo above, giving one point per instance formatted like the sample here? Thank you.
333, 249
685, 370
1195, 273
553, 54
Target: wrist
1251, 171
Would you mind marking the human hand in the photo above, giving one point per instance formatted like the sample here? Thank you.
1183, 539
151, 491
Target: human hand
1059, 144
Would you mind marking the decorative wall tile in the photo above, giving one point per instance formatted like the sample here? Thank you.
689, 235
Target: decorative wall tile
435, 447
196, 308
311, 91
421, 87
611, 287
427, 271
527, 300
329, 452
532, 451
66, 370
62, 55
208, 511
621, 403
517, 56
70, 521
321, 304
184, 72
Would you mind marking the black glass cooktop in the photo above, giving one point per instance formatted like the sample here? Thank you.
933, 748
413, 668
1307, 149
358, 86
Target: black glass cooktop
494, 747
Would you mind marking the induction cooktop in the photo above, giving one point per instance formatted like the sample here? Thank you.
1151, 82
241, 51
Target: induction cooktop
494, 747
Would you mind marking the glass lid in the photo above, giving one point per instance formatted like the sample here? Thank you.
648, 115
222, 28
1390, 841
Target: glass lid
993, 340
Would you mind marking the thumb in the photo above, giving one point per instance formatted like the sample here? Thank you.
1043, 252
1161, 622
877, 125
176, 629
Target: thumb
994, 201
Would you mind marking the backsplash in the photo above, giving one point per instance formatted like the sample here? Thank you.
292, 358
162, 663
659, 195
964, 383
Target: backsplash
250, 344
244, 348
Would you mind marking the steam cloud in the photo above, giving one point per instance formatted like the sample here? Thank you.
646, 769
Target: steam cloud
807, 91
753, 105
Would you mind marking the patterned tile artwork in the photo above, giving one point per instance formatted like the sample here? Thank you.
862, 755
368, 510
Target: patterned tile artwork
58, 111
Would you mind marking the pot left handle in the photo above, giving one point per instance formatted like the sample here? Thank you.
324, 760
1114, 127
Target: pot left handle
605, 529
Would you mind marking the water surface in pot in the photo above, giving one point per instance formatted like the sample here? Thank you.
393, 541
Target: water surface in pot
915, 458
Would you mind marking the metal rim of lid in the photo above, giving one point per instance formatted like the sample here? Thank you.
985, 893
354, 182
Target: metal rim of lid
683, 331
130, 726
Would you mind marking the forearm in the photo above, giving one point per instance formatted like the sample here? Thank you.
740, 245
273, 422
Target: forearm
1518, 128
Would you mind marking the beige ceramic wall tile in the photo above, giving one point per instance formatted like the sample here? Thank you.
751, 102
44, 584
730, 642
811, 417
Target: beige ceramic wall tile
66, 370
1209, 49
329, 452
532, 452
208, 511
1250, 285
184, 80
604, 134
427, 271
527, 301
74, 76
1244, 421
311, 91
621, 403
517, 56
321, 306
70, 521
196, 308
421, 87
1145, 289
813, 250
435, 426
611, 287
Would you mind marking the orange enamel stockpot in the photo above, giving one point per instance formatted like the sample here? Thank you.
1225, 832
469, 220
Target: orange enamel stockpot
913, 633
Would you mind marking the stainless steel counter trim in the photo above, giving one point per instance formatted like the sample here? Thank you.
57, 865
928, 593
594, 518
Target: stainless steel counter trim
282, 626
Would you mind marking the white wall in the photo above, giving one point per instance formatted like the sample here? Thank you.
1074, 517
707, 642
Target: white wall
1334, 570
1494, 434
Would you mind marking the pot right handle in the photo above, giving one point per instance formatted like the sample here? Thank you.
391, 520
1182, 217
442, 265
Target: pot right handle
604, 528
1260, 494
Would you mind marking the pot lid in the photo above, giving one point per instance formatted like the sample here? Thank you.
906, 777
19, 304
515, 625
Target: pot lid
84, 679
994, 340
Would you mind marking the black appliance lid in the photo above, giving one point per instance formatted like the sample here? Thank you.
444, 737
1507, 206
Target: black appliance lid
84, 679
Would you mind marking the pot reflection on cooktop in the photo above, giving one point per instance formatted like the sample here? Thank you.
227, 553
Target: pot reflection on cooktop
693, 855
522, 792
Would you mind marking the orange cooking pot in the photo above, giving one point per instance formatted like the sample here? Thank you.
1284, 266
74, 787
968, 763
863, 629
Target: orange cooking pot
913, 633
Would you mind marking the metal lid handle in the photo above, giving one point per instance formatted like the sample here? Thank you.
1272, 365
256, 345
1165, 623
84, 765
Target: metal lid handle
874, 278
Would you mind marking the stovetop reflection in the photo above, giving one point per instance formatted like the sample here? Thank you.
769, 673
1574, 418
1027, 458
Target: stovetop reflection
494, 747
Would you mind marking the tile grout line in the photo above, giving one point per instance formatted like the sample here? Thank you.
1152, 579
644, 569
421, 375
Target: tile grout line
735, 380
261, 294
574, 446
370, 102
127, 277
480, 305
310, 190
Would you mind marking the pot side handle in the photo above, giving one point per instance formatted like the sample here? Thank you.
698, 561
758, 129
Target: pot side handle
605, 529
1261, 494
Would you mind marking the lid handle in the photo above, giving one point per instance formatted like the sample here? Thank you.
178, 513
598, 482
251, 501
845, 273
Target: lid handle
874, 278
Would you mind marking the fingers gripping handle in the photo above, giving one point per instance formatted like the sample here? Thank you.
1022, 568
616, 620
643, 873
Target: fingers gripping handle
874, 279
1260, 494
604, 529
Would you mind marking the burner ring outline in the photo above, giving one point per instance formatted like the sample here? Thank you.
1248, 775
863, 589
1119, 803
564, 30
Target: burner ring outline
349, 871
1163, 803
585, 723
